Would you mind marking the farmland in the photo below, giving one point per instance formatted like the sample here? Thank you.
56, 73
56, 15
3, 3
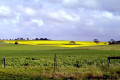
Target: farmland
57, 43
35, 60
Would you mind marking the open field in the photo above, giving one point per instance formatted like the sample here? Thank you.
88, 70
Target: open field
36, 61
57, 43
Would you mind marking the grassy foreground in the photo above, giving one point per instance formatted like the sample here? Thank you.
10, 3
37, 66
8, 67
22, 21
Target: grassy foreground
35, 62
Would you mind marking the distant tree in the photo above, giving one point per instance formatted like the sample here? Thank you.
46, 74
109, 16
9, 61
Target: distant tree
72, 42
109, 42
45, 39
21, 38
27, 38
118, 42
41, 39
18, 38
96, 41
112, 42
36, 39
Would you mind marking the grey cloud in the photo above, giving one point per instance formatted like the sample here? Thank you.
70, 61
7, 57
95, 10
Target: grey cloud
108, 5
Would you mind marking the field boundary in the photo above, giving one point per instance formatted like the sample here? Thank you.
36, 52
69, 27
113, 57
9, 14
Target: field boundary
109, 58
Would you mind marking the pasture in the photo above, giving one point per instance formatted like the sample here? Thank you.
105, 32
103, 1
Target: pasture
34, 60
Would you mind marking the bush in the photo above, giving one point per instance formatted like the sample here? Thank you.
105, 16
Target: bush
16, 42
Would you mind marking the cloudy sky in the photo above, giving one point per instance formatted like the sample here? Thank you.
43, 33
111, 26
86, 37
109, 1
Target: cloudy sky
81, 20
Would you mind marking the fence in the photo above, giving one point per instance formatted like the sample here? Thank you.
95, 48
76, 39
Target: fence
76, 63
109, 58
55, 62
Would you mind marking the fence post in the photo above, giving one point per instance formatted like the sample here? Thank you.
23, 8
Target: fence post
4, 63
108, 61
55, 63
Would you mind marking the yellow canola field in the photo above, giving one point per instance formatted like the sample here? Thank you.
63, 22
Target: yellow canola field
57, 43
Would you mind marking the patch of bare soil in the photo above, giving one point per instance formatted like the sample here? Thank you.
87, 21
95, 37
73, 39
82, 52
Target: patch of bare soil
2, 45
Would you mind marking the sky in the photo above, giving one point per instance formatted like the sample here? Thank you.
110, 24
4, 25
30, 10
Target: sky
81, 20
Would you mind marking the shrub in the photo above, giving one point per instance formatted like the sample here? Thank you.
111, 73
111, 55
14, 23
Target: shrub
16, 43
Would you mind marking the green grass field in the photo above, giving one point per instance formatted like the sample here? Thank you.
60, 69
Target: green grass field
35, 62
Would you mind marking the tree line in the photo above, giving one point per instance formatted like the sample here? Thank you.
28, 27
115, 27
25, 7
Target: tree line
111, 42
27, 39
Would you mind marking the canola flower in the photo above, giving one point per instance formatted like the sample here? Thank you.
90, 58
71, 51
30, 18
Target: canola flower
57, 43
